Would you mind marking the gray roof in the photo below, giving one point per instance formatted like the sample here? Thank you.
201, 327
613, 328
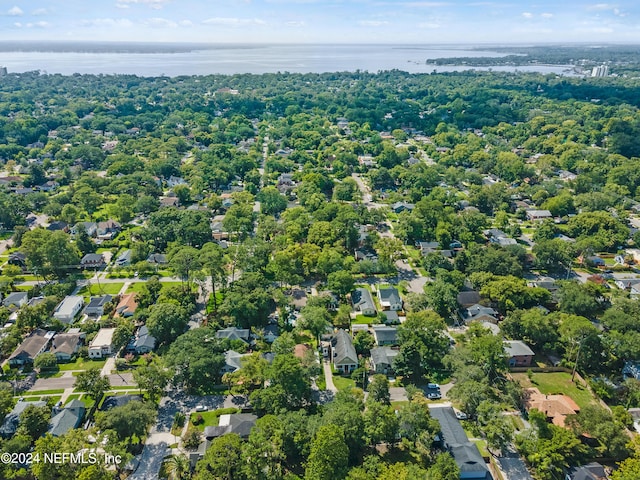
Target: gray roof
468, 298
591, 471
392, 316
97, 302
233, 359
233, 333
361, 298
343, 349
239, 423
157, 258
390, 295
14, 298
516, 348
119, 401
92, 258
12, 420
384, 334
477, 310
66, 342
383, 355
145, 339
465, 453
67, 419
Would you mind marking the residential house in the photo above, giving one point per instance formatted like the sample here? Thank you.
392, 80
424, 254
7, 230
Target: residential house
157, 259
93, 260
174, 181
127, 305
385, 335
18, 258
96, 305
124, 258
301, 350
498, 237
390, 299
518, 353
58, 226
169, 201
12, 420
468, 299
363, 302
427, 247
68, 418
68, 308
90, 227
593, 261
30, 348
466, 454
271, 332
15, 300
555, 407
102, 344
391, 317
108, 230
538, 215
66, 345
547, 283
365, 254
233, 333
343, 353
382, 359
402, 206
591, 471
298, 298
238, 423
143, 342
232, 362
480, 313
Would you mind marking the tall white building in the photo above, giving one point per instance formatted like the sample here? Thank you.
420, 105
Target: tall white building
600, 71
3, 71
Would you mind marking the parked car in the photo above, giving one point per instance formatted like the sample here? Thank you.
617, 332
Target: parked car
461, 416
201, 408
434, 396
433, 386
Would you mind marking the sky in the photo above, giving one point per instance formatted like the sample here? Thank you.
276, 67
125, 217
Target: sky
321, 21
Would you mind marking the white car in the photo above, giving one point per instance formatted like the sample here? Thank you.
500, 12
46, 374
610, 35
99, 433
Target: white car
201, 408
461, 416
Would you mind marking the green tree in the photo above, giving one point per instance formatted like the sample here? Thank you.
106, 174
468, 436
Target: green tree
340, 282
91, 382
128, 421
444, 468
379, 390
167, 322
328, 458
271, 201
35, 420
152, 377
380, 423
223, 459
46, 361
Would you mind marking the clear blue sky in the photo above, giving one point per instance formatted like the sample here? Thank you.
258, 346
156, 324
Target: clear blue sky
333, 21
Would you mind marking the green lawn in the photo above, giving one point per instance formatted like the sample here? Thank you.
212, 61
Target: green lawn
364, 320
557, 383
48, 392
102, 289
212, 417
343, 383
81, 364
73, 396
137, 286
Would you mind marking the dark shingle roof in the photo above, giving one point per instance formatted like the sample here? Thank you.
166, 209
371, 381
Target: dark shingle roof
344, 351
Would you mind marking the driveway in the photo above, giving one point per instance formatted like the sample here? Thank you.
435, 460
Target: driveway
512, 467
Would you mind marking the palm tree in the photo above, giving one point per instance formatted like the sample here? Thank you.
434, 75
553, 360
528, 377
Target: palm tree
178, 467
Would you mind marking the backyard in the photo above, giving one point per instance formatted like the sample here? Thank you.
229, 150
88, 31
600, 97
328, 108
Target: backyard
557, 383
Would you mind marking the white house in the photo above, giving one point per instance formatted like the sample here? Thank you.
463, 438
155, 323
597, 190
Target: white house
102, 344
390, 299
68, 308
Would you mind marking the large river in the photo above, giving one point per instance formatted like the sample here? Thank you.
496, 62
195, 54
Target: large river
231, 59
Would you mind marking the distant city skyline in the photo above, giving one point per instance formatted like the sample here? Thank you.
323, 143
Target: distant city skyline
319, 21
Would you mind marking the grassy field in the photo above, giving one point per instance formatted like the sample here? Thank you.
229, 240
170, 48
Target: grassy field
364, 320
101, 289
137, 286
81, 364
557, 383
343, 383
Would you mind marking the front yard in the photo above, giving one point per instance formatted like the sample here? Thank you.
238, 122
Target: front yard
81, 364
